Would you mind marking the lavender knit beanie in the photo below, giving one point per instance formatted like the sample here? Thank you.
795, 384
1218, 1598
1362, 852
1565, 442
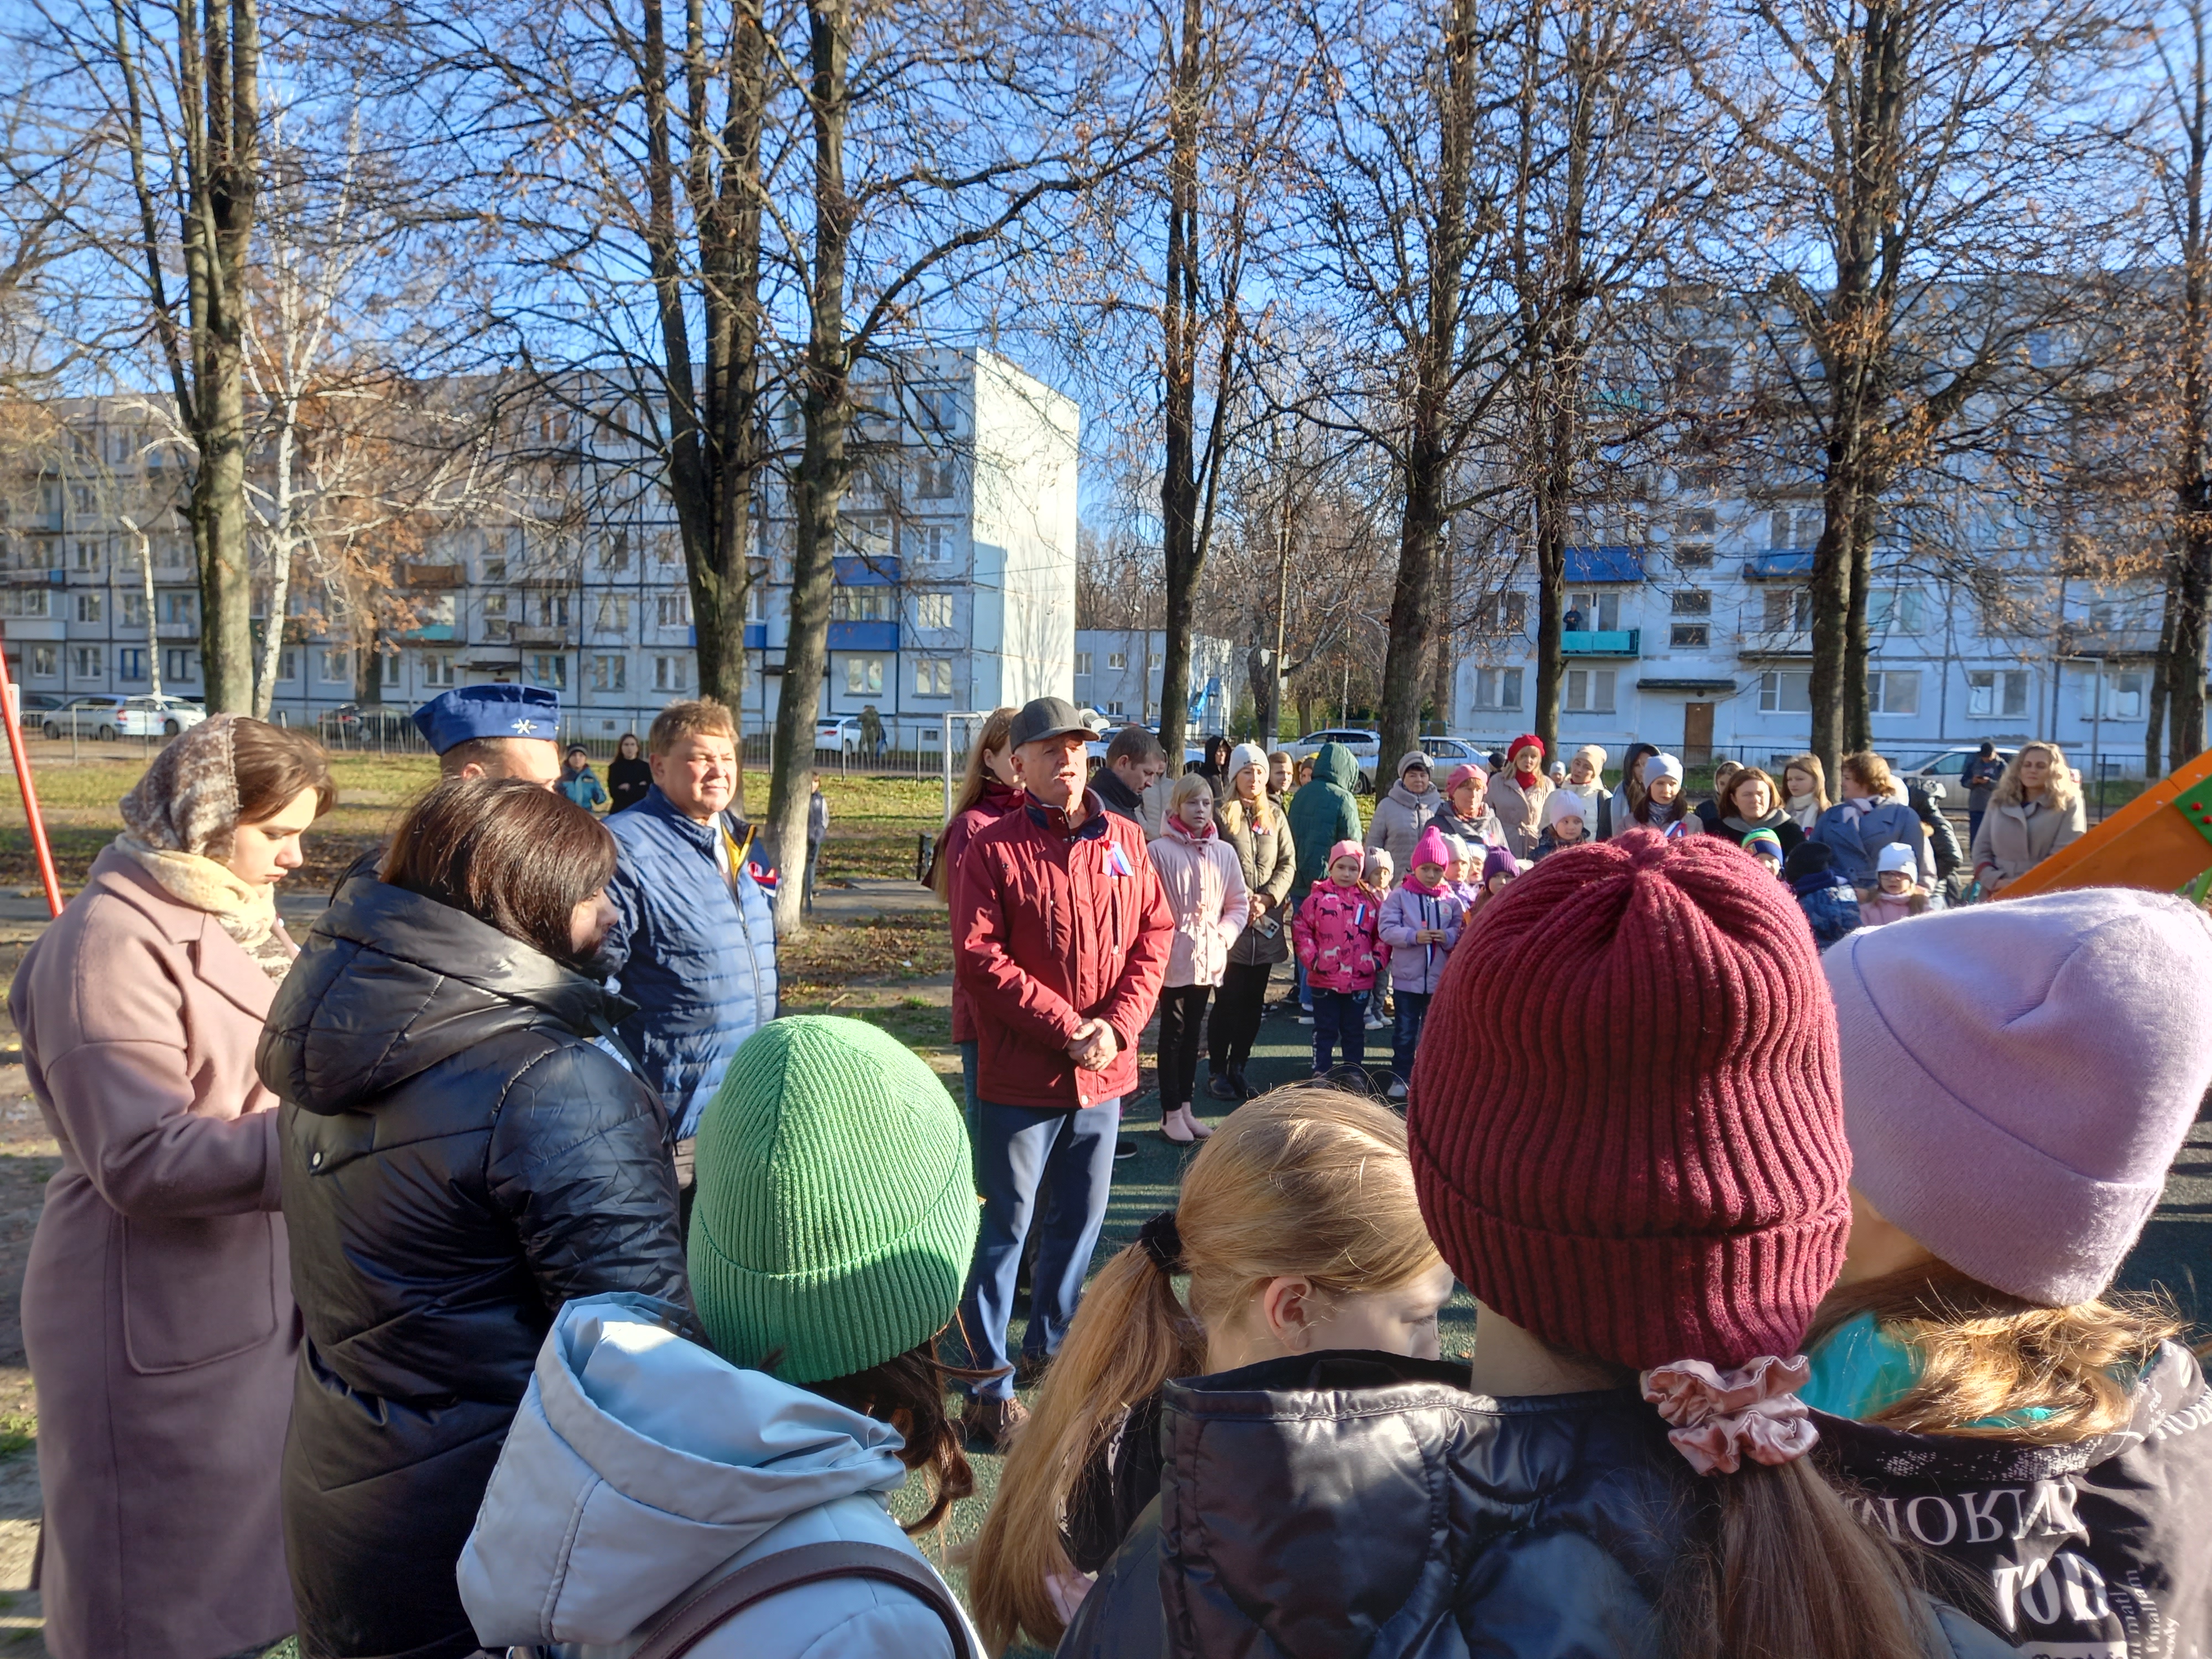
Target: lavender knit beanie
2018, 1076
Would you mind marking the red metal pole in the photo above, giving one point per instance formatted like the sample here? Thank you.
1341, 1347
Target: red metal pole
12, 715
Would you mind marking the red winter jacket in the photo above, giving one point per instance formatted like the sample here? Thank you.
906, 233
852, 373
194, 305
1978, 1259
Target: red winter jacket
1051, 928
997, 801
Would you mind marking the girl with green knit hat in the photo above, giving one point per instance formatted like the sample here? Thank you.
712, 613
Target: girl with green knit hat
831, 1236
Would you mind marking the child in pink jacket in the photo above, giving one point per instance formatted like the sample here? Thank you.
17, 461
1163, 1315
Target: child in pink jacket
1337, 933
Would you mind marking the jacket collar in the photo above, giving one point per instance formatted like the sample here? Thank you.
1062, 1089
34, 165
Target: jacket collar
659, 806
1108, 786
217, 958
1053, 822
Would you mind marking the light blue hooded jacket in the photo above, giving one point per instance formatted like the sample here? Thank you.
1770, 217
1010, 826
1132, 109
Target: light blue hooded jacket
641, 1466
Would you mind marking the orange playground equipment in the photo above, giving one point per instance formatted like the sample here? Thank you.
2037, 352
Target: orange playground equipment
2161, 839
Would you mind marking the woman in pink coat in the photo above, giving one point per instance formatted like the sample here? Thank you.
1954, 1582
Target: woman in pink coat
1204, 881
157, 1304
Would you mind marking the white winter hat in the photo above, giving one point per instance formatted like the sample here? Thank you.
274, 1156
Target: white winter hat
1656, 767
1564, 803
1248, 754
1897, 856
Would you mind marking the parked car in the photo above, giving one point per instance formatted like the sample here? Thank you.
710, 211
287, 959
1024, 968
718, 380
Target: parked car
1949, 767
1365, 746
32, 706
359, 723
100, 717
1105, 727
1450, 752
840, 735
158, 717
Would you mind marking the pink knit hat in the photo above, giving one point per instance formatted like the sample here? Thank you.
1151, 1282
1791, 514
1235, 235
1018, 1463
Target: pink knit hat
2018, 1076
1346, 848
1626, 1127
1430, 848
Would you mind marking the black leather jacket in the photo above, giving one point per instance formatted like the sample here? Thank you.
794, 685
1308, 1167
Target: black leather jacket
1340, 1504
459, 1160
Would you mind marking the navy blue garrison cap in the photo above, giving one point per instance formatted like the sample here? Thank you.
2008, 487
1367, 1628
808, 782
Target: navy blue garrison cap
456, 717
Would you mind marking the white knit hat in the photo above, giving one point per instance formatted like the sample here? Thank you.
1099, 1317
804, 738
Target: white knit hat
1896, 856
1248, 754
1656, 767
1564, 803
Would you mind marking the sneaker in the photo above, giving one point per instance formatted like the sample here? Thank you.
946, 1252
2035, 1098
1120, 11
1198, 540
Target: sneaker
1305, 1019
1377, 1022
1124, 1149
1396, 1090
1222, 1086
992, 1422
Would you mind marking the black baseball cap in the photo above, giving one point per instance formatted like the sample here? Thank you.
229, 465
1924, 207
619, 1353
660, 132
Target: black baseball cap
1046, 717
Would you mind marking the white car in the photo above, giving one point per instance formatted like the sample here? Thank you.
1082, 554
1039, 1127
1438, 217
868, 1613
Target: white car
158, 717
1947, 770
1365, 746
840, 736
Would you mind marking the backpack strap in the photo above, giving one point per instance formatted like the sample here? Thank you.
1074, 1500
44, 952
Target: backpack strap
700, 1614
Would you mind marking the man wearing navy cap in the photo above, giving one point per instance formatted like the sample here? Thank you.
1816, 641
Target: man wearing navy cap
485, 731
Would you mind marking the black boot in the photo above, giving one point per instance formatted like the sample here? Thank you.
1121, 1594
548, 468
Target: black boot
1236, 1081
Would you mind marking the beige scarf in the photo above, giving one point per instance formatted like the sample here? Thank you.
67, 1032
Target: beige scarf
182, 809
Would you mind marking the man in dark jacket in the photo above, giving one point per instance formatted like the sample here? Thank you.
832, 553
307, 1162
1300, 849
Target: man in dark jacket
1134, 763
1059, 938
1980, 777
694, 943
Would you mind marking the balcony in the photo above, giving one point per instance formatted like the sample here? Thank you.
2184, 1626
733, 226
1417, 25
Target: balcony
432, 576
864, 636
1601, 643
542, 634
1774, 642
33, 578
431, 634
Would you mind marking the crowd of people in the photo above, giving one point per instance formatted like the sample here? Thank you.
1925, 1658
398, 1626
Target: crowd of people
494, 1271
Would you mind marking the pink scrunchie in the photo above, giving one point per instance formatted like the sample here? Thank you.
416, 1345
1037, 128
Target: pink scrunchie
1720, 1417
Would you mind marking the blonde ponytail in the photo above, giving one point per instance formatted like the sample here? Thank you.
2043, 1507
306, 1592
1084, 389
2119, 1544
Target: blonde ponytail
1305, 1181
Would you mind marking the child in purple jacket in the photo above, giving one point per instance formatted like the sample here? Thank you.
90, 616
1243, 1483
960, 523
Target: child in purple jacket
1420, 923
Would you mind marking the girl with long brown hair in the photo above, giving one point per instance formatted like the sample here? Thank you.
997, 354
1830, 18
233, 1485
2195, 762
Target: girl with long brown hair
2017, 1079
1298, 1230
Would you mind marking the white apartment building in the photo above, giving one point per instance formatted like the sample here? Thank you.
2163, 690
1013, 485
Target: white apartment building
1119, 672
955, 584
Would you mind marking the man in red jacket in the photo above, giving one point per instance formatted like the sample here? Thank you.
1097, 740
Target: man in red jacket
1060, 933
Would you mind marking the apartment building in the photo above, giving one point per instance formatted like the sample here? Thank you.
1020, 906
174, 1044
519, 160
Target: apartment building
1119, 672
954, 581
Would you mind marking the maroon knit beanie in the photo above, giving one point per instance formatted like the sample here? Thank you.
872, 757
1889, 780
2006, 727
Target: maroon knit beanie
1626, 1122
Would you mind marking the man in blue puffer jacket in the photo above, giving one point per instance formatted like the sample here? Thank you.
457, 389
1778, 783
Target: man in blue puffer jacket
694, 943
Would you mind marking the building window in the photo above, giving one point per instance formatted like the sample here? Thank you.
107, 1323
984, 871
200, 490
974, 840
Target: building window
665, 547
1787, 609
1705, 368
932, 543
1894, 691
26, 602
553, 610
88, 660
932, 611
437, 667
1117, 711
1695, 523
2124, 696
495, 615
671, 673
1902, 608
131, 664
871, 604
550, 669
1796, 530
338, 667
1117, 660
1497, 688
673, 610
1693, 555
87, 607
864, 676
614, 615
89, 556
1503, 613
1595, 611
932, 676
934, 480
1589, 691
939, 409
610, 673
1691, 602
1786, 691
1083, 664
1689, 637
614, 552
1996, 692
180, 607
180, 666
494, 566
288, 664
45, 661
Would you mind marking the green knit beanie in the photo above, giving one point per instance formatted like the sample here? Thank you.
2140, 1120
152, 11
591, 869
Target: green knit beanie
836, 1210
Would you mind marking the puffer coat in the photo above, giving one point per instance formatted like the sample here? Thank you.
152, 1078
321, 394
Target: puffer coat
1341, 1503
1339, 939
459, 1159
1204, 884
1399, 817
1419, 968
1323, 813
1269, 858
694, 955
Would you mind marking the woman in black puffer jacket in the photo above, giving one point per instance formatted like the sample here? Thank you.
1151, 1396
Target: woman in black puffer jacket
460, 1157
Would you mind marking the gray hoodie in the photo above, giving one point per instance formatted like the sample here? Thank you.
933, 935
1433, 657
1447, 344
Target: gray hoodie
641, 1465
